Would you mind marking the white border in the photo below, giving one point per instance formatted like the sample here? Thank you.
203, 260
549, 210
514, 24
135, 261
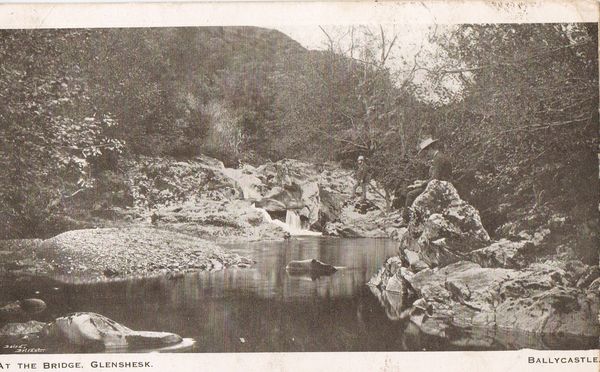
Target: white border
269, 13
59, 14
458, 361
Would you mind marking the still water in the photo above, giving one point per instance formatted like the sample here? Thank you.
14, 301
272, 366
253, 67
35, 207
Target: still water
263, 308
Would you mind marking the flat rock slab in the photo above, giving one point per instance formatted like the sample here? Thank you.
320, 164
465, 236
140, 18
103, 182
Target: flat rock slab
534, 300
463, 297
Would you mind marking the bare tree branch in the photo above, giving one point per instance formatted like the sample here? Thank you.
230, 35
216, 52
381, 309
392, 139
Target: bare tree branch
546, 126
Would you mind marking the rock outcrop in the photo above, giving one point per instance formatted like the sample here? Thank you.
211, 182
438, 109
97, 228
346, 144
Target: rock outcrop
443, 228
204, 198
465, 282
464, 295
504, 253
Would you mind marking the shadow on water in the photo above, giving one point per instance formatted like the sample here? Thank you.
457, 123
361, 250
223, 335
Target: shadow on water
262, 308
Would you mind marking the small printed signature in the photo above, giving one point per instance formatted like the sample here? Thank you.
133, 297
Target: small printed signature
22, 348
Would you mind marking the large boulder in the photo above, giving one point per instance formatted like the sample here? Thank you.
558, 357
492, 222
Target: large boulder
95, 330
331, 206
289, 196
444, 228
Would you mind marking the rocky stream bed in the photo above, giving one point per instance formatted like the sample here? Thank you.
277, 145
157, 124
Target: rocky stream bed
449, 277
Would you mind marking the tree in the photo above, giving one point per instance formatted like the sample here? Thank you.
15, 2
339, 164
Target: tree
525, 119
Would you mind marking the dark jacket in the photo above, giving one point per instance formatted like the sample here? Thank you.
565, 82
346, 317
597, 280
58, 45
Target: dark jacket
362, 173
441, 168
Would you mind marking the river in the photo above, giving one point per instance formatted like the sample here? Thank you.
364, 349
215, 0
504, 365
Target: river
261, 308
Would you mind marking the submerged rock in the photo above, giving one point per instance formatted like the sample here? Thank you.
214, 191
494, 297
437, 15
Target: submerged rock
95, 330
22, 308
33, 305
311, 267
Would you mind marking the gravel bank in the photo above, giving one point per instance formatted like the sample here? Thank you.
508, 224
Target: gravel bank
118, 253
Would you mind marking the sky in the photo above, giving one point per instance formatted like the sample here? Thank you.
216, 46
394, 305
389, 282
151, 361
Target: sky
412, 38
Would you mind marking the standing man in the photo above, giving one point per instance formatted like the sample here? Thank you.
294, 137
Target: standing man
440, 169
362, 177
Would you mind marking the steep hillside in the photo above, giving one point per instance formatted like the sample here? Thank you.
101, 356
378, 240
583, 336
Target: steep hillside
79, 103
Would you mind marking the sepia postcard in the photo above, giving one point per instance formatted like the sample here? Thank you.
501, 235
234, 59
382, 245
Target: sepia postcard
299, 186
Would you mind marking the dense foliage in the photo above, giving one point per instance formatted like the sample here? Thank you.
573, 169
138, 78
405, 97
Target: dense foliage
515, 105
526, 123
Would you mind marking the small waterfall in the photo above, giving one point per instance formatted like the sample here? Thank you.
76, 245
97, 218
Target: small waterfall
292, 224
292, 219
246, 182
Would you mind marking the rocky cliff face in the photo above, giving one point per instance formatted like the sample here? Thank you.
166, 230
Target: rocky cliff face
192, 205
204, 198
450, 279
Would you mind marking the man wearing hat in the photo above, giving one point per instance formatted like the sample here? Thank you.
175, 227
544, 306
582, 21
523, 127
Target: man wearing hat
440, 169
362, 177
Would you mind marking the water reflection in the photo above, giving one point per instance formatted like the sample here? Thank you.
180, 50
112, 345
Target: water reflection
263, 306
392, 302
